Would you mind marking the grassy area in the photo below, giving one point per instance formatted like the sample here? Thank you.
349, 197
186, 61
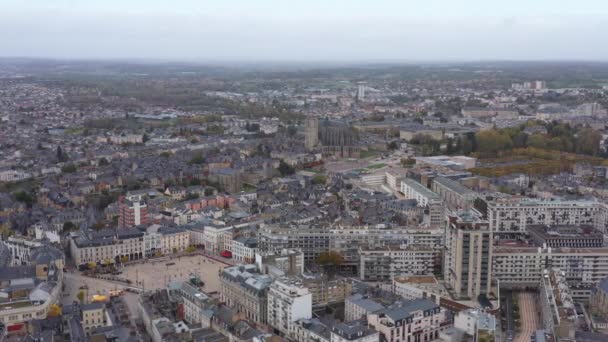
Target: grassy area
369, 153
312, 170
73, 131
15, 305
249, 188
376, 166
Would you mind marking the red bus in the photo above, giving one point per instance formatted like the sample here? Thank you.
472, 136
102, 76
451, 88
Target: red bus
226, 254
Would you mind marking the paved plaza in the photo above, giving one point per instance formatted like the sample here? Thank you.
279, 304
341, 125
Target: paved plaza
157, 274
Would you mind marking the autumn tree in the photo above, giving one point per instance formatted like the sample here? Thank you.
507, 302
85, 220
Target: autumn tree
329, 261
54, 310
491, 141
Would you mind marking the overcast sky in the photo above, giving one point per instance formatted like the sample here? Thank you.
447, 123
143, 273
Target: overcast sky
306, 30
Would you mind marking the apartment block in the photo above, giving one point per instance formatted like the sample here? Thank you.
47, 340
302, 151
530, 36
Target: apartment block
288, 301
468, 255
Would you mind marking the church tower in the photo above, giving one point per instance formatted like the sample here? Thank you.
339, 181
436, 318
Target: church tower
311, 135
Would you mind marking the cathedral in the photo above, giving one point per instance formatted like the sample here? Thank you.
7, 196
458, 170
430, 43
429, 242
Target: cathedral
334, 139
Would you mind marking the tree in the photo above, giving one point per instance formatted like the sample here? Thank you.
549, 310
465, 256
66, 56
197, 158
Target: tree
191, 249
537, 141
393, 145
588, 141
69, 226
197, 159
80, 296
91, 265
103, 162
24, 197
491, 141
285, 169
145, 138
54, 310
407, 162
329, 261
291, 130
319, 179
69, 168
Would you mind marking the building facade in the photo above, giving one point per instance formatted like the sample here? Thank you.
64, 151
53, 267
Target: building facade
468, 255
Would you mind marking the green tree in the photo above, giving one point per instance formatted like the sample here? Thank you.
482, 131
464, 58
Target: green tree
24, 197
69, 226
319, 179
285, 169
69, 168
491, 141
197, 159
588, 141
537, 141
80, 296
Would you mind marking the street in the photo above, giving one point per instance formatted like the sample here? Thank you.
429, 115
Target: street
530, 322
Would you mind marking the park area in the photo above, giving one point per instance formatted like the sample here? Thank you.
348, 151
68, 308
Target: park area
531, 161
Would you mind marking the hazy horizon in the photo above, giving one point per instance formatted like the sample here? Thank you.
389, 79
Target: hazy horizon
314, 31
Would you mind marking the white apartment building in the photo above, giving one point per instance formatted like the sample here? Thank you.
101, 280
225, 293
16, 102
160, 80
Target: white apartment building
213, 238
411, 189
415, 321
512, 215
288, 302
243, 249
383, 263
393, 180
520, 266
14, 176
346, 240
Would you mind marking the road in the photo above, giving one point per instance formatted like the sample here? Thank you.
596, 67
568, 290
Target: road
528, 310
510, 326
